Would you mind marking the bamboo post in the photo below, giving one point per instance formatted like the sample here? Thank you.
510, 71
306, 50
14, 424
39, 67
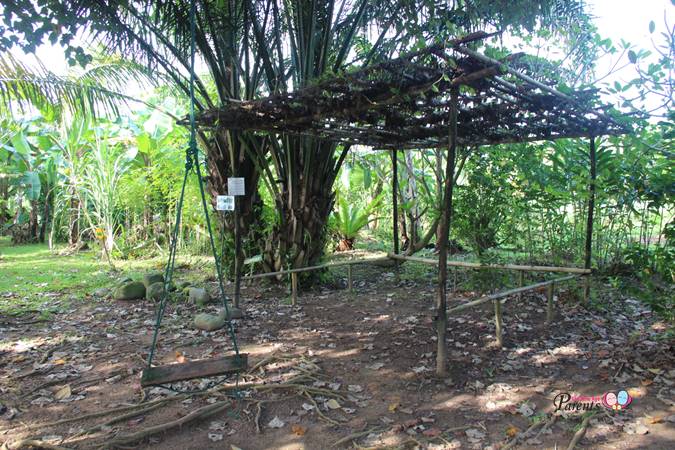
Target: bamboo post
446, 217
589, 222
498, 322
394, 203
350, 283
549, 302
294, 288
237, 256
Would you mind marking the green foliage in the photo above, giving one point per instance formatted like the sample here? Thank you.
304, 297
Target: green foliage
350, 218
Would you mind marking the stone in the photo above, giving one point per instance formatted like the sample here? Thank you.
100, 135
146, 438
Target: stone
153, 277
132, 290
101, 292
234, 313
209, 322
183, 284
199, 296
123, 280
155, 291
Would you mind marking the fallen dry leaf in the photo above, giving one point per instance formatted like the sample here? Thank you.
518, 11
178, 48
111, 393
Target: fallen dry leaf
298, 430
333, 404
654, 419
394, 406
511, 431
432, 432
62, 393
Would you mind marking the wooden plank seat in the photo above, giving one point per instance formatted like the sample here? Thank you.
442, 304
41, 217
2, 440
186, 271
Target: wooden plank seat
202, 368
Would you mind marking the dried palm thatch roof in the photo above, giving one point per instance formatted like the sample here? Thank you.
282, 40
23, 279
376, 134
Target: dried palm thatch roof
404, 103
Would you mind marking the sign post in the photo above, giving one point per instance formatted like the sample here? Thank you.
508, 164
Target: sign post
236, 186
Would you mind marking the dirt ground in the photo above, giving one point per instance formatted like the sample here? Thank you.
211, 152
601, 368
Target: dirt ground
341, 370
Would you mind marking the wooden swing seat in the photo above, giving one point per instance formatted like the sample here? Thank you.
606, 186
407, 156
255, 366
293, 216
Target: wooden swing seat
202, 368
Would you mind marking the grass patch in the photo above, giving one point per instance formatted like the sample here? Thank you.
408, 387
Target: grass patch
35, 278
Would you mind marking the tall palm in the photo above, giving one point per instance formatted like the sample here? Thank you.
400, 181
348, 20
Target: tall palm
255, 47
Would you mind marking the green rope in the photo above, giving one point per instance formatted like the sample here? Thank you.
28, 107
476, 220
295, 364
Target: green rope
191, 162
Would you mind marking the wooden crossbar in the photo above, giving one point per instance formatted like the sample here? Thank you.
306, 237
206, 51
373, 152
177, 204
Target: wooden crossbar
350, 262
472, 265
503, 294
202, 368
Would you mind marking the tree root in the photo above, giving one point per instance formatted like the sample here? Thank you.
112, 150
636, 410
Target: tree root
201, 413
580, 432
356, 435
100, 414
116, 419
318, 411
520, 436
26, 443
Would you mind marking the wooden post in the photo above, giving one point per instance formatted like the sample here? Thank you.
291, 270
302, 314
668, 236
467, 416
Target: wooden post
498, 322
454, 279
521, 282
237, 255
446, 217
350, 283
589, 222
549, 302
394, 203
294, 288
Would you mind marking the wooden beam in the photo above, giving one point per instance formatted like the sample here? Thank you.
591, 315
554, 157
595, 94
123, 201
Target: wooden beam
588, 253
446, 219
472, 265
549, 302
204, 368
499, 336
318, 267
504, 294
294, 288
394, 204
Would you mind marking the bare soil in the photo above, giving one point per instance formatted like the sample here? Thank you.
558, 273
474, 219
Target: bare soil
365, 360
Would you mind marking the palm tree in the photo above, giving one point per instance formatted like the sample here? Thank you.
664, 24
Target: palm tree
252, 48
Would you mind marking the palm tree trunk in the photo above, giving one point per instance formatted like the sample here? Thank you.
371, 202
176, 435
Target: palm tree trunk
74, 221
307, 170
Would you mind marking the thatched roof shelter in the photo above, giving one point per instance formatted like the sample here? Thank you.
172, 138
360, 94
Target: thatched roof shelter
403, 103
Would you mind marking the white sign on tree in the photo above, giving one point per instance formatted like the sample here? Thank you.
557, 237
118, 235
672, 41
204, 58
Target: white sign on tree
225, 203
235, 186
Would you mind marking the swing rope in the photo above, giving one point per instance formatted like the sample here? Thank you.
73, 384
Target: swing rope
191, 163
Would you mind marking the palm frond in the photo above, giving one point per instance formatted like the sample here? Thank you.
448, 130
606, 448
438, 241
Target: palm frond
95, 92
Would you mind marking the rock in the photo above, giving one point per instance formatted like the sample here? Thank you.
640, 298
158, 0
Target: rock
123, 280
209, 322
151, 278
199, 296
155, 291
101, 292
235, 313
132, 290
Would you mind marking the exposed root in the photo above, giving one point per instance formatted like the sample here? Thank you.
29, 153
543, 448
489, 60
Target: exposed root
28, 443
318, 411
356, 435
580, 432
132, 438
99, 414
